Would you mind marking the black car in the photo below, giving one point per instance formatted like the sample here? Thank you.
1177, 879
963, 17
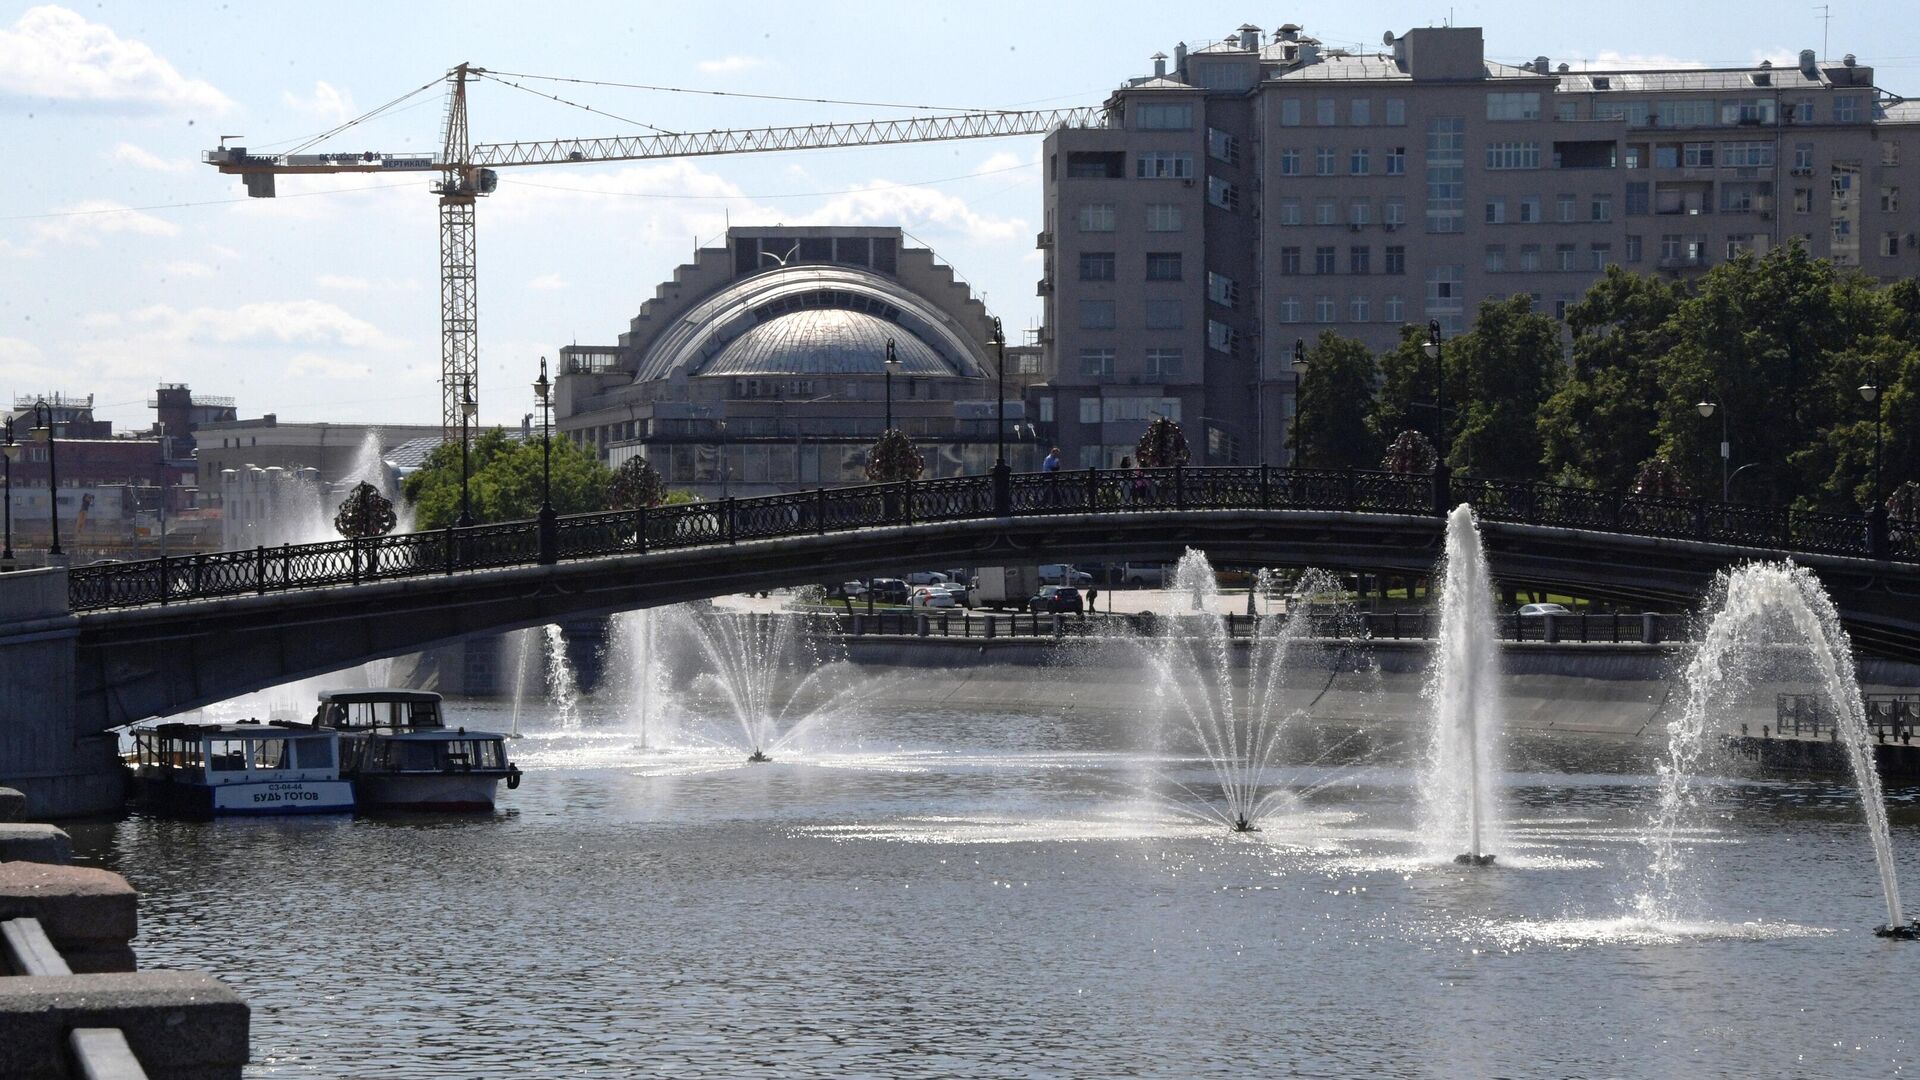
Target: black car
889, 590
1055, 599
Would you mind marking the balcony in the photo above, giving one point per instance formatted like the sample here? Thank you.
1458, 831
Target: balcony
1045, 288
1043, 240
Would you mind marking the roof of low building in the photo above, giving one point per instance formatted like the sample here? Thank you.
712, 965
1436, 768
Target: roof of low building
826, 341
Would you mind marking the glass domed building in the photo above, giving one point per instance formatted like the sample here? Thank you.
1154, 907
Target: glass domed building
763, 366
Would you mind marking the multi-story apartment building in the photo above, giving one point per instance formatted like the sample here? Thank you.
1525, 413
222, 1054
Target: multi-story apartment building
1255, 194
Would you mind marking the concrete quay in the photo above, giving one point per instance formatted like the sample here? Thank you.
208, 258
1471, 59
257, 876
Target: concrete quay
72, 1002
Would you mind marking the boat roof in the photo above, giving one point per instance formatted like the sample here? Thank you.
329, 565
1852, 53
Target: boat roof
382, 693
441, 733
278, 729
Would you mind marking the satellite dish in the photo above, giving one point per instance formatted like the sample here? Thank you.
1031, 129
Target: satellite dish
1386, 38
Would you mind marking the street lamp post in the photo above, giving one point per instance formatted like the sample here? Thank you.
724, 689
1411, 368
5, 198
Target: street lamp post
11, 450
893, 361
1877, 513
41, 408
549, 520
1442, 472
1708, 407
467, 409
1299, 402
1002, 472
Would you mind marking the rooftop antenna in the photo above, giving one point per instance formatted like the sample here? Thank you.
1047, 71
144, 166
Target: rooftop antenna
1826, 26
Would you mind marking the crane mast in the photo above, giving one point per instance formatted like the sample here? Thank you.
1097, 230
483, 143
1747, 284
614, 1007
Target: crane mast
467, 173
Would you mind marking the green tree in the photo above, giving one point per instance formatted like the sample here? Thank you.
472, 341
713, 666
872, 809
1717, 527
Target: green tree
1598, 427
1330, 429
1404, 400
1499, 374
505, 481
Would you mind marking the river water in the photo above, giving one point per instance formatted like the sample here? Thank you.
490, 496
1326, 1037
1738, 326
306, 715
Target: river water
946, 892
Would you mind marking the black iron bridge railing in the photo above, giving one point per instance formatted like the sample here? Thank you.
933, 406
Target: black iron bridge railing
999, 494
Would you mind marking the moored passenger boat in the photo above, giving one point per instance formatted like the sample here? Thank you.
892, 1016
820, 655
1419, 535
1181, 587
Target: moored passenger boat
245, 768
397, 750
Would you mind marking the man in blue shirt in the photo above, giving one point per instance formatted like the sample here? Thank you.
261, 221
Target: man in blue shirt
1052, 464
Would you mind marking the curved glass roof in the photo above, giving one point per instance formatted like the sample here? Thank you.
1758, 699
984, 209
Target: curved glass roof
826, 341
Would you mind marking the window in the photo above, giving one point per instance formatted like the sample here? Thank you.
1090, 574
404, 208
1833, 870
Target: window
1289, 309
1220, 336
1747, 111
1090, 414
1358, 309
1163, 117
1634, 113
1633, 249
1290, 112
1323, 309
1395, 309
1803, 159
1497, 210
1666, 156
1563, 257
1514, 106
1164, 315
1096, 266
1222, 146
1096, 363
1222, 194
1161, 165
1529, 209
1697, 155
1529, 258
1396, 111
1394, 212
1889, 199
1639, 198
1222, 289
1846, 108
1889, 244
1685, 113
1164, 362
1323, 112
1446, 174
1568, 206
1323, 159
1163, 217
1396, 260
1046, 409
1163, 266
1601, 209
1803, 200
1097, 314
1635, 157
1360, 259
1566, 110
1496, 258
1513, 155
1599, 255
1096, 217
1290, 161
1359, 211
1289, 260
1889, 152
1397, 161
1446, 300
1737, 243
1290, 211
1746, 154
1670, 247
1101, 165
1323, 260
1359, 162
1326, 212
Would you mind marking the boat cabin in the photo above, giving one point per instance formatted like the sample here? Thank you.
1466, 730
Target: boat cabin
246, 768
379, 710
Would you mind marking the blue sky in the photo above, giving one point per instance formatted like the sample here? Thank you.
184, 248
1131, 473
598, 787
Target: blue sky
322, 304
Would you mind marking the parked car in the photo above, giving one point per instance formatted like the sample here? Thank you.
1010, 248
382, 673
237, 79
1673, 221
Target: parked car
889, 590
850, 590
932, 596
927, 577
1062, 574
961, 594
1537, 611
1056, 599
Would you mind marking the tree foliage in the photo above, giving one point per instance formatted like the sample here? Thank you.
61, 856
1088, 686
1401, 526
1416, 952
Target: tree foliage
636, 483
505, 480
1162, 446
894, 458
364, 512
1499, 374
1330, 429
1600, 424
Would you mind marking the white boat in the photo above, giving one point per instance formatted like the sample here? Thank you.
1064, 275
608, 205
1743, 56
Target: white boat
398, 751
244, 768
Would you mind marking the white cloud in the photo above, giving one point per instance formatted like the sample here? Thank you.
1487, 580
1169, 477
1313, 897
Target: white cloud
727, 65
141, 158
85, 222
912, 208
327, 367
327, 103
186, 268
343, 282
1609, 60
55, 53
547, 282
24, 362
290, 322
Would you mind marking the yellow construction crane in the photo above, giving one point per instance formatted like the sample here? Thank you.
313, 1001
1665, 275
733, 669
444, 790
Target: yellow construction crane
467, 172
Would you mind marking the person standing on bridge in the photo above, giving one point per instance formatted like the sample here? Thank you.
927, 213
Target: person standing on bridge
1052, 463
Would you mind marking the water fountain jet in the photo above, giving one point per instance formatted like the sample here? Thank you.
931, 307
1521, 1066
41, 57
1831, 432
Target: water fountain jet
1463, 695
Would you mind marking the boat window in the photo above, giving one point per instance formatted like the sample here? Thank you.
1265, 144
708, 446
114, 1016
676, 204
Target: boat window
227, 755
314, 753
425, 714
418, 755
270, 754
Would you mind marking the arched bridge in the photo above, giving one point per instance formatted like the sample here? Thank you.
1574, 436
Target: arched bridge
162, 635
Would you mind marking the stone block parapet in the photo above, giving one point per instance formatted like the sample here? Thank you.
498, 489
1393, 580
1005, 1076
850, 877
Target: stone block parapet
29, 842
178, 1024
90, 914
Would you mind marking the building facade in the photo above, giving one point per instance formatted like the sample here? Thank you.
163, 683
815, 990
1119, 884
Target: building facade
761, 367
1258, 192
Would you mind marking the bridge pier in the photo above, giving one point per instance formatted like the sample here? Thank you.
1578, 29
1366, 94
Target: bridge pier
42, 753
